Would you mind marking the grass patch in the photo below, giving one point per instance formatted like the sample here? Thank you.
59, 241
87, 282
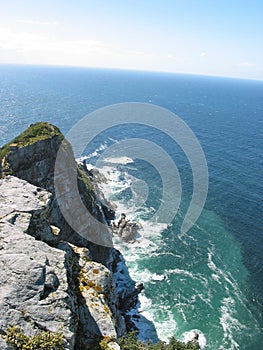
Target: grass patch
35, 132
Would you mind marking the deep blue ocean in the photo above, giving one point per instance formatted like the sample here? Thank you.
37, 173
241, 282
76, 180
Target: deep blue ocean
211, 278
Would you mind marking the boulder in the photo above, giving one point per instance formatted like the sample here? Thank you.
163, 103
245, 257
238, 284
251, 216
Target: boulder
36, 280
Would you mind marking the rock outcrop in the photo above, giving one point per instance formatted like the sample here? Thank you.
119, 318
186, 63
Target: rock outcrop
36, 280
32, 156
51, 277
50, 287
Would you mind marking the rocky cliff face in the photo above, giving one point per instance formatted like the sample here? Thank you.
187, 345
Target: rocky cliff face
32, 156
52, 278
37, 289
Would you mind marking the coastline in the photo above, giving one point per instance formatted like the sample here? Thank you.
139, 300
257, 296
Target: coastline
146, 243
97, 287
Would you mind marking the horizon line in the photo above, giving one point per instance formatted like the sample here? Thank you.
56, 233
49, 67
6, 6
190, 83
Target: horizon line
127, 70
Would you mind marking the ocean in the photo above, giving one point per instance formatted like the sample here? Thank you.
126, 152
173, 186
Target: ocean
210, 278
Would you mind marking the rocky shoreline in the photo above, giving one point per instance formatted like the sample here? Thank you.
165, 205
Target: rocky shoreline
51, 277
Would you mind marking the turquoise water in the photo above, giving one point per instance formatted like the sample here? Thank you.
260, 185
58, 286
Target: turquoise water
211, 278
194, 281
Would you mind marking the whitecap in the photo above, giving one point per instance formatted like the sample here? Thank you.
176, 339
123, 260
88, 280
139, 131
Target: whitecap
89, 166
147, 243
118, 160
95, 153
166, 328
156, 277
229, 323
216, 278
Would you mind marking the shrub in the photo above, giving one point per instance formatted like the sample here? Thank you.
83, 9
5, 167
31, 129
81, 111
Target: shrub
130, 342
18, 340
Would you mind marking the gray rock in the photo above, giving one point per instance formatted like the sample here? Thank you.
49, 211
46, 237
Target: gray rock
17, 194
37, 290
74, 197
46, 284
43, 287
99, 302
35, 161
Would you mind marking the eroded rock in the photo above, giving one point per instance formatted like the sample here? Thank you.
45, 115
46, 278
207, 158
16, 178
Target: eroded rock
47, 288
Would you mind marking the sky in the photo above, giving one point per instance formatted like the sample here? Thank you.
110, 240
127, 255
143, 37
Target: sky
207, 37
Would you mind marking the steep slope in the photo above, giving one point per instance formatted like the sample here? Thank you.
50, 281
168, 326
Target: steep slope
31, 156
48, 284
54, 277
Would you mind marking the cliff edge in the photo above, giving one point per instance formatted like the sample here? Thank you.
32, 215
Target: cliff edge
54, 279
32, 155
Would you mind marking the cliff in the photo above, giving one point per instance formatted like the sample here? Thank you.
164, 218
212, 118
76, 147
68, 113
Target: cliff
53, 278
32, 156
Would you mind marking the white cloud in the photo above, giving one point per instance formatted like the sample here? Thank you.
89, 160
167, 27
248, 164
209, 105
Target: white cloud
32, 47
245, 64
203, 54
32, 42
25, 21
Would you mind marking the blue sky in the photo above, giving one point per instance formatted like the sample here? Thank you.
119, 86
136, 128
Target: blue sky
209, 37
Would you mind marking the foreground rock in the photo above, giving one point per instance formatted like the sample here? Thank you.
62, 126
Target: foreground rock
52, 276
55, 288
36, 279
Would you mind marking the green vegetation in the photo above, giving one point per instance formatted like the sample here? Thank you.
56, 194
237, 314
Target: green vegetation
130, 342
18, 340
82, 175
35, 132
